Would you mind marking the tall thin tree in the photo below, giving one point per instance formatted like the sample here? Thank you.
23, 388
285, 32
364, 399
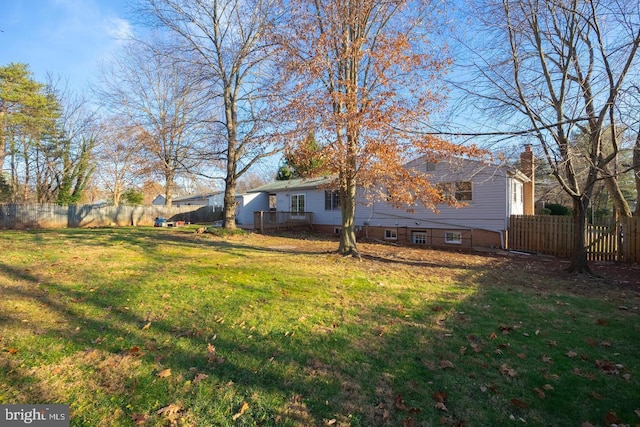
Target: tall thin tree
227, 40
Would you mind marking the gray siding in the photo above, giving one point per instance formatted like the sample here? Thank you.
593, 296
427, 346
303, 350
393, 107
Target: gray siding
490, 208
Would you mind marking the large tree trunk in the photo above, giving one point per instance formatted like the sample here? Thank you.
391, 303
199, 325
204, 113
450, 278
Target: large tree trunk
168, 188
579, 255
348, 207
229, 210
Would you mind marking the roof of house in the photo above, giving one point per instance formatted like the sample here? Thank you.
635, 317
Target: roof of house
295, 184
196, 196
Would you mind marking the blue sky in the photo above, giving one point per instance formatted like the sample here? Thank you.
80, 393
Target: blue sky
65, 38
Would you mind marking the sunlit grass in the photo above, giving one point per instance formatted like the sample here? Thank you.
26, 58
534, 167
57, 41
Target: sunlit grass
154, 327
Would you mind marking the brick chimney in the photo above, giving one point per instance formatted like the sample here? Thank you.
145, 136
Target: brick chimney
528, 169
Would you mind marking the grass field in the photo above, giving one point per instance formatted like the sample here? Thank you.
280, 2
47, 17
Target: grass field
143, 326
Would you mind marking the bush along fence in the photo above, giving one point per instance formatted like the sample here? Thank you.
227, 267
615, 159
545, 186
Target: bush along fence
553, 235
29, 216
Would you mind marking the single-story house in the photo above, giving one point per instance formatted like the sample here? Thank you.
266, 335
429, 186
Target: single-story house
489, 194
215, 199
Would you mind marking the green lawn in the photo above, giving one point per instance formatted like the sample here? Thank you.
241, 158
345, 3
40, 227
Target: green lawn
143, 326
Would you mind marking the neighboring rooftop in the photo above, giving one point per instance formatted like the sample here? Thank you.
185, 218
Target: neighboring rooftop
295, 184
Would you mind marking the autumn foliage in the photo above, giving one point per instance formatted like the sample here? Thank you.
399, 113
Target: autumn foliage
365, 80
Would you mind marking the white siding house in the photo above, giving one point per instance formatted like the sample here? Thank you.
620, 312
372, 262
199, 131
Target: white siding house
486, 194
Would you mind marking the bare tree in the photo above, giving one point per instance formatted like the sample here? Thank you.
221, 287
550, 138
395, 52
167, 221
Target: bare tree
161, 101
120, 157
556, 68
227, 40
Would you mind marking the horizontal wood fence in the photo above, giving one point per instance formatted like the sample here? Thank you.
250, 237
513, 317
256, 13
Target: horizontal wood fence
29, 216
553, 235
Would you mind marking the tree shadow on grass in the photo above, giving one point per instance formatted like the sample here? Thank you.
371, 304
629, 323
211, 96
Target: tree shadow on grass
348, 364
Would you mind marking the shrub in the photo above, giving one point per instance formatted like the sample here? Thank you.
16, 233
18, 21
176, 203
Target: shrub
558, 209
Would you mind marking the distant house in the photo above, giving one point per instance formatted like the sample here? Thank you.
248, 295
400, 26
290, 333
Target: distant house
206, 199
489, 195
159, 200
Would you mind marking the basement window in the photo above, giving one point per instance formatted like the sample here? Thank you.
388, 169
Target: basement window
391, 234
419, 237
453, 237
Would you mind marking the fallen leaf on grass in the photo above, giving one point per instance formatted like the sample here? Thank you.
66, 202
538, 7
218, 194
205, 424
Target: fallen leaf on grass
199, 378
446, 364
138, 419
627, 377
400, 406
147, 326
602, 322
211, 355
242, 410
587, 424
170, 410
607, 367
547, 359
506, 370
521, 356
440, 396
408, 422
571, 354
519, 403
539, 392
637, 411
441, 406
164, 373
477, 348
547, 387
611, 418
12, 350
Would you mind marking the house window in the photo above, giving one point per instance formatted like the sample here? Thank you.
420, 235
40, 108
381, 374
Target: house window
272, 202
391, 234
419, 237
444, 189
297, 203
454, 237
331, 200
337, 230
463, 191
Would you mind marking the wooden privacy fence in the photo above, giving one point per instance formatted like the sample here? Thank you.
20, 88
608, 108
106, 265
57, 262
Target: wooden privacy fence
27, 216
553, 235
